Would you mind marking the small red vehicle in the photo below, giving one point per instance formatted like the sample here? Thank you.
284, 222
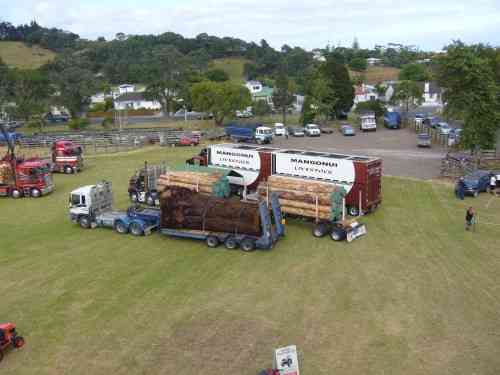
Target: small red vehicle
9, 338
67, 157
189, 140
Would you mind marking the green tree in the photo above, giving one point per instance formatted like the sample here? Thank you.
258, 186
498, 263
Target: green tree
283, 93
168, 72
358, 64
217, 75
31, 93
371, 105
470, 76
341, 90
222, 99
408, 93
308, 111
261, 108
414, 72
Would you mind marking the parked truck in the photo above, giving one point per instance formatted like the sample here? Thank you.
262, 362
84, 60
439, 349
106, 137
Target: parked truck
360, 176
142, 186
92, 206
21, 177
67, 157
367, 121
234, 223
392, 120
253, 133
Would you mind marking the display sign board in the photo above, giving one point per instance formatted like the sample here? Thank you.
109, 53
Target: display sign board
316, 167
286, 360
234, 158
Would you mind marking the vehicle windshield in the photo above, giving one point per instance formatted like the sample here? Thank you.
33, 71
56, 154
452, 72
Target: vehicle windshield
74, 200
312, 126
40, 170
266, 131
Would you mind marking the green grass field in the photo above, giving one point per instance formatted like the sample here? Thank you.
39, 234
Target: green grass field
233, 66
19, 55
417, 295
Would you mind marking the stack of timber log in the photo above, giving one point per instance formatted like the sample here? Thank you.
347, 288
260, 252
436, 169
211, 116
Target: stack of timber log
5, 173
182, 208
206, 183
301, 197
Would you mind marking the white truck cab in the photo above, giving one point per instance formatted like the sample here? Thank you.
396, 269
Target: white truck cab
368, 121
312, 130
263, 134
89, 201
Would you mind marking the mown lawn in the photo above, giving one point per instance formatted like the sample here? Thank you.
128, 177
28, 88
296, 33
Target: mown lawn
417, 295
22, 56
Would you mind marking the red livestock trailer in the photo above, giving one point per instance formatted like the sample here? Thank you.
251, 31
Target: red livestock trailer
360, 176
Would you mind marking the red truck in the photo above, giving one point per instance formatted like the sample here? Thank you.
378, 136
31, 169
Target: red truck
360, 175
23, 177
67, 157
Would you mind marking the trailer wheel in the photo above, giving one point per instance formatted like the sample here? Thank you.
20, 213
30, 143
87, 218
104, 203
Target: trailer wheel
231, 243
121, 228
338, 234
16, 194
68, 170
136, 229
134, 197
18, 342
36, 193
84, 222
320, 230
150, 201
212, 241
353, 211
248, 245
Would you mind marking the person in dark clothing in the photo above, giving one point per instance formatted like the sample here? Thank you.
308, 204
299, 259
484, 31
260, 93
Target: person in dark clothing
460, 189
470, 219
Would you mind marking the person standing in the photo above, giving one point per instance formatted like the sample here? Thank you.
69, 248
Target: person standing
493, 184
470, 218
460, 189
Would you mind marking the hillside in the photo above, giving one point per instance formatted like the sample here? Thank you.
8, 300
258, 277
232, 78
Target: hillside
19, 55
233, 66
377, 74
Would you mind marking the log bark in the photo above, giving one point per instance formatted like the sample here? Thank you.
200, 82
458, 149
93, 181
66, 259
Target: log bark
305, 213
305, 206
295, 195
290, 183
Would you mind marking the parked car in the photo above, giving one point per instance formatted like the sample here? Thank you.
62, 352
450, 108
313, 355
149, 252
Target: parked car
431, 122
244, 114
392, 120
443, 128
279, 129
424, 140
188, 140
347, 130
477, 182
182, 114
57, 119
312, 130
326, 130
296, 131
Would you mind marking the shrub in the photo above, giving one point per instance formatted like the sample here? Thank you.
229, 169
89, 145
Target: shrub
78, 124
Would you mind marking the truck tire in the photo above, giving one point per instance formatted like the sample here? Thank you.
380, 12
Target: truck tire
16, 194
231, 243
35, 193
18, 342
84, 222
248, 245
338, 234
212, 241
121, 228
136, 229
68, 170
320, 230
353, 211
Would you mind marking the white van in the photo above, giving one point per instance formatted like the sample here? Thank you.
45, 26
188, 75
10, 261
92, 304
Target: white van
279, 129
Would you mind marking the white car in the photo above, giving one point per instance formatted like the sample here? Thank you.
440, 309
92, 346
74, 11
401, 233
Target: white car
279, 129
312, 130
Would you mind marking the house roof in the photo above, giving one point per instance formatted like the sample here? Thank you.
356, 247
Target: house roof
131, 97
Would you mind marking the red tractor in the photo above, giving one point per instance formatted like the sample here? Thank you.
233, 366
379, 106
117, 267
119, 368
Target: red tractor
9, 338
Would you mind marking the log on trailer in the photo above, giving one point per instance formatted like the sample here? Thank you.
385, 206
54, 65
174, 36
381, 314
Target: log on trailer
182, 208
214, 183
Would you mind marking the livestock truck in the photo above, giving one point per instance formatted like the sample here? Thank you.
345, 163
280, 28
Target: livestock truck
21, 177
360, 176
91, 206
253, 133
67, 157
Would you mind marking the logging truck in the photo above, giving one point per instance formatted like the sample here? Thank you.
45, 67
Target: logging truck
142, 185
92, 206
248, 225
250, 165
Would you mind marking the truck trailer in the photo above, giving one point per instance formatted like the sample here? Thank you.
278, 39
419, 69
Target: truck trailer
360, 176
253, 133
92, 206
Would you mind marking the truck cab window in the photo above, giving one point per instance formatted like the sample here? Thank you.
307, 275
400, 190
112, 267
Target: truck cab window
75, 200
